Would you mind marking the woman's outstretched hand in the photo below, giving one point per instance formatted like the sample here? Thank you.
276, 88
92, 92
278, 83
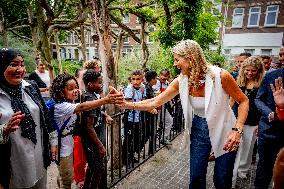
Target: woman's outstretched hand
13, 123
233, 141
278, 92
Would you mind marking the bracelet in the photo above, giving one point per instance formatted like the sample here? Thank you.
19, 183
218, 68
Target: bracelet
280, 113
238, 130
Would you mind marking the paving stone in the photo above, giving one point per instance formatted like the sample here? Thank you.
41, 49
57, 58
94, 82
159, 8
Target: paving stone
169, 169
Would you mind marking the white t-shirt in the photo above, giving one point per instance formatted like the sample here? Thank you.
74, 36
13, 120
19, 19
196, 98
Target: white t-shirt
62, 112
46, 79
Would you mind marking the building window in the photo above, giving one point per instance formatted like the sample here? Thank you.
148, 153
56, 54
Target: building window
251, 51
266, 52
254, 13
138, 20
126, 40
75, 39
126, 19
238, 16
150, 36
87, 54
126, 51
227, 51
69, 55
271, 15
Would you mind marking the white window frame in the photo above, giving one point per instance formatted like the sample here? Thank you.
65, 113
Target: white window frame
149, 33
126, 51
263, 50
227, 51
267, 13
126, 40
242, 20
137, 20
251, 51
258, 16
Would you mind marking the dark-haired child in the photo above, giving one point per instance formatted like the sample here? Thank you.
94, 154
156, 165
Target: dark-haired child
65, 91
134, 92
92, 132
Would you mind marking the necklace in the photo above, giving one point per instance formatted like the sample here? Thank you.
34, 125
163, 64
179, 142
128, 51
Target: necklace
198, 83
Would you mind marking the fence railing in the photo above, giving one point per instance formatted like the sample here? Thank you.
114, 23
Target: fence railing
137, 136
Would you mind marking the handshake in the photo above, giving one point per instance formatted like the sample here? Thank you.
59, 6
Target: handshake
116, 97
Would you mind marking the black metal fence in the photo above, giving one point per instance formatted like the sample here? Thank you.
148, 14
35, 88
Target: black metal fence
139, 136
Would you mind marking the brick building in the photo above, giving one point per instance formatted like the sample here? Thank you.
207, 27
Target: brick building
254, 26
70, 49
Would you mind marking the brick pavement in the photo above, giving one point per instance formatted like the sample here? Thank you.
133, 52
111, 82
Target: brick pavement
168, 169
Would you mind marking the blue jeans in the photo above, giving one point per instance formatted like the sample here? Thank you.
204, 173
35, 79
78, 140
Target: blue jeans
200, 149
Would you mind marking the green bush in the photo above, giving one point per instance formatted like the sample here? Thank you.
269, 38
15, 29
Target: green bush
68, 66
213, 57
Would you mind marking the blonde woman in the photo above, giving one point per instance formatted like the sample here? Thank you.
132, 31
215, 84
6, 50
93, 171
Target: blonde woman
249, 79
204, 91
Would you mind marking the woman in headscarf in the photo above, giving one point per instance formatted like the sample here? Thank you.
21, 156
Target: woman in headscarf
204, 92
27, 140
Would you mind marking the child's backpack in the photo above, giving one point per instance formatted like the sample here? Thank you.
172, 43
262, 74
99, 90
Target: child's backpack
51, 106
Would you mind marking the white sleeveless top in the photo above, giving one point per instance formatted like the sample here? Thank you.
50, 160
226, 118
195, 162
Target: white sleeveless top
198, 105
218, 113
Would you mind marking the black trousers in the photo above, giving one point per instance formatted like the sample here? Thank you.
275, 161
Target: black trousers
270, 142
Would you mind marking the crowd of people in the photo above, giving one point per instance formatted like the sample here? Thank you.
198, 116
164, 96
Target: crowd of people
231, 116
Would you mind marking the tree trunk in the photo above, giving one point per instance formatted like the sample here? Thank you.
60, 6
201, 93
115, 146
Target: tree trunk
145, 51
3, 30
101, 22
117, 55
43, 42
58, 52
33, 30
83, 42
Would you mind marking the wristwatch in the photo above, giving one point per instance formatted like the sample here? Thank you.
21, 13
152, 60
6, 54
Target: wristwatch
238, 130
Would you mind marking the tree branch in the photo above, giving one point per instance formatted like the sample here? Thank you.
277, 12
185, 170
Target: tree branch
125, 28
47, 8
69, 25
109, 2
60, 8
168, 16
16, 22
23, 37
136, 13
18, 27
138, 6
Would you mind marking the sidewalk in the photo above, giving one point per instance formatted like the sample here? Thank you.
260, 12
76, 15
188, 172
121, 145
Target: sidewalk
168, 169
